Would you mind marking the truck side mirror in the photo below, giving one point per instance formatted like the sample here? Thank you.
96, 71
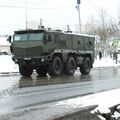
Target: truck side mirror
9, 39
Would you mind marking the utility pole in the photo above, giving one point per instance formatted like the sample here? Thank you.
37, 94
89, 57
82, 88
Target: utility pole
78, 9
26, 15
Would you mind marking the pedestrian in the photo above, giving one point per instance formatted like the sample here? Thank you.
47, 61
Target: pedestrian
100, 55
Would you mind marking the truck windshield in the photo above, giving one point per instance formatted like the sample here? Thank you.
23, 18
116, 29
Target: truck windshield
28, 36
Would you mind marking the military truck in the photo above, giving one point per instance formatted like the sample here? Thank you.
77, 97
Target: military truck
52, 52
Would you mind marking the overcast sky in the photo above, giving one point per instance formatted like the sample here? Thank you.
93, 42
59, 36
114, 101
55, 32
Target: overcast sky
54, 13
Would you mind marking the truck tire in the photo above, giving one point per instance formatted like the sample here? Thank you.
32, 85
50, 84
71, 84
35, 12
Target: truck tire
25, 70
41, 72
86, 67
56, 66
70, 66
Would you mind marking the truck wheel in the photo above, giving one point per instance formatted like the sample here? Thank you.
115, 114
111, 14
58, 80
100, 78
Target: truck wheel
41, 72
25, 70
56, 66
70, 66
86, 67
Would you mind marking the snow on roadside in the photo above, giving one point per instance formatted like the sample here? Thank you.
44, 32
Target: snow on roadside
105, 62
116, 115
7, 65
104, 100
110, 98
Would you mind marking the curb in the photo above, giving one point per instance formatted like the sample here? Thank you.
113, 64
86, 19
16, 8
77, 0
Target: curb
8, 73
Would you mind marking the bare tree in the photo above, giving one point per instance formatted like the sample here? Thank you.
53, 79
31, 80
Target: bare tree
106, 27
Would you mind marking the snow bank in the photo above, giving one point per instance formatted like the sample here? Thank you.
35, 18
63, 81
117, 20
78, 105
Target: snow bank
105, 62
111, 98
7, 65
104, 100
116, 115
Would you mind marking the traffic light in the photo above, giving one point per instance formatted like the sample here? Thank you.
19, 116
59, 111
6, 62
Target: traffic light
78, 1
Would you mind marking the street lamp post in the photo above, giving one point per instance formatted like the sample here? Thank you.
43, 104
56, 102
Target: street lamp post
78, 9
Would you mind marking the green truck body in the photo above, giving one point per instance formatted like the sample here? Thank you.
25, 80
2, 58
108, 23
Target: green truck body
52, 52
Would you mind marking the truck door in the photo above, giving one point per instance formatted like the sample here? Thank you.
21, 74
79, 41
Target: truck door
77, 42
80, 42
89, 43
49, 46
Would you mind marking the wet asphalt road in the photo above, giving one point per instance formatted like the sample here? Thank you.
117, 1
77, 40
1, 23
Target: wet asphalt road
17, 92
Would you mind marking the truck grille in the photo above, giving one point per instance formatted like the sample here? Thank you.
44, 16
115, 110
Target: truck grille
31, 51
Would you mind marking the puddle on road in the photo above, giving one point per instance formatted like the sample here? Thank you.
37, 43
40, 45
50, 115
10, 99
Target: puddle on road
39, 81
95, 74
34, 80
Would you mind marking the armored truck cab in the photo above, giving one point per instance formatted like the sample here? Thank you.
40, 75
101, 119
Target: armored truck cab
52, 52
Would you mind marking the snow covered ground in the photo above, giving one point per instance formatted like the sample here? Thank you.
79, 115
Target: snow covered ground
7, 65
106, 62
104, 100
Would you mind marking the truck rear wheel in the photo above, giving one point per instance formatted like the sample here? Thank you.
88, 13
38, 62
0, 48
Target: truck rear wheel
41, 72
70, 66
86, 67
56, 66
25, 70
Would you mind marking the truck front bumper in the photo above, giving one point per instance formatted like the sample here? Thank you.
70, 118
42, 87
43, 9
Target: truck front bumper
33, 61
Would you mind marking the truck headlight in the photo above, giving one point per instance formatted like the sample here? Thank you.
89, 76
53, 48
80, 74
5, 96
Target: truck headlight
42, 60
16, 60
